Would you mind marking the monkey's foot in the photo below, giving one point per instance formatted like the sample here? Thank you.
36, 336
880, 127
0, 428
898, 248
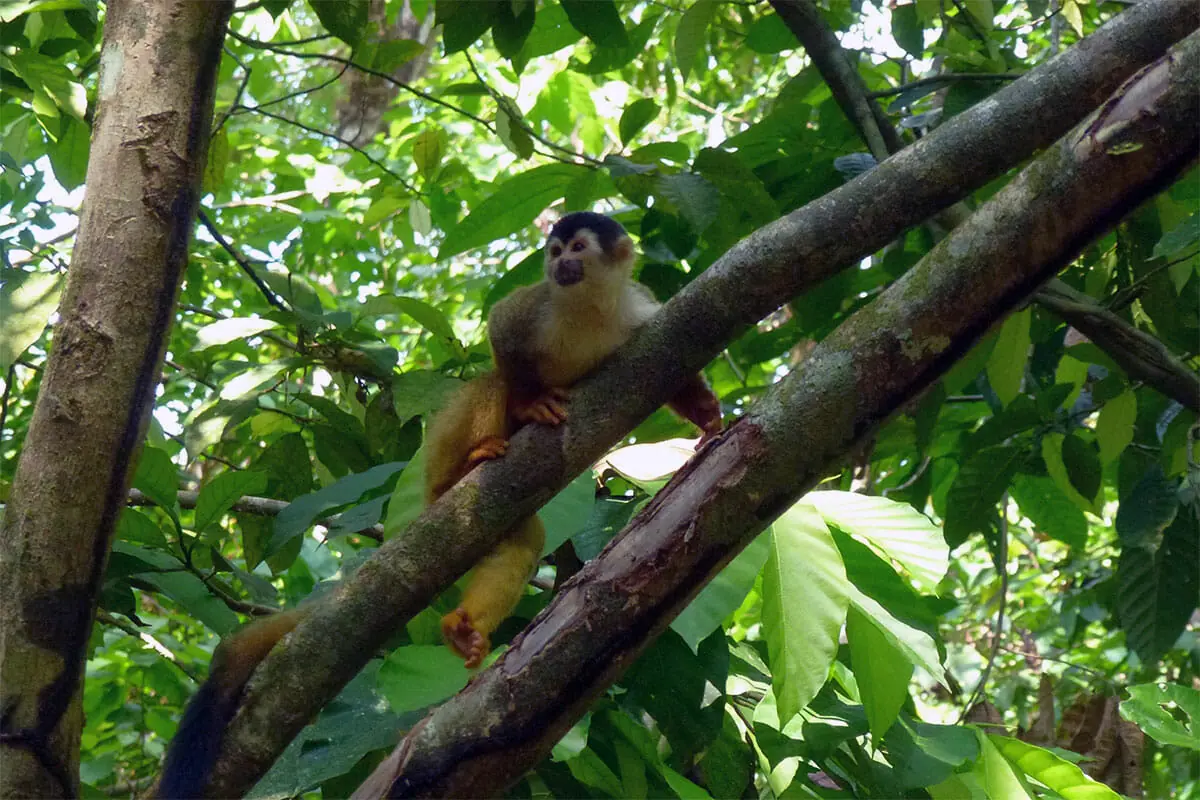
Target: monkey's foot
486, 450
547, 408
464, 638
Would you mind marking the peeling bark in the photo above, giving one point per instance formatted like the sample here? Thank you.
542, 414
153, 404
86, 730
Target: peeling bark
755, 277
158, 69
510, 716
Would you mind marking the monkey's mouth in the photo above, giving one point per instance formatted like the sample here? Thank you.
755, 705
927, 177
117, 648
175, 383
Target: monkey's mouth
568, 272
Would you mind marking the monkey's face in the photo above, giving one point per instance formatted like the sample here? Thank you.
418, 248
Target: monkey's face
582, 260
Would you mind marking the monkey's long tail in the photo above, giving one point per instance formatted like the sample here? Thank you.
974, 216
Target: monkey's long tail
193, 752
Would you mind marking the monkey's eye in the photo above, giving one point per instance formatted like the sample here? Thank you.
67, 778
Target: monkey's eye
555, 251
577, 246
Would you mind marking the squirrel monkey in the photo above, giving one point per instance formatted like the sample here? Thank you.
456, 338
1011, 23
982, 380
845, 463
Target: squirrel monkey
544, 338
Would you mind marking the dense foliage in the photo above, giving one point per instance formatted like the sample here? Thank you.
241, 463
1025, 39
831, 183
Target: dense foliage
376, 183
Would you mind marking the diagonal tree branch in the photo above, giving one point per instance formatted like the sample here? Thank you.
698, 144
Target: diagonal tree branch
778, 262
867, 370
1138, 353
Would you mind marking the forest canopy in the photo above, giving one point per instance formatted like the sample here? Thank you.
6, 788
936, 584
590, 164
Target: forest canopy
990, 591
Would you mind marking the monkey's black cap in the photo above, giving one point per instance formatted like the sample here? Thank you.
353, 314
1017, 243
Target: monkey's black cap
607, 230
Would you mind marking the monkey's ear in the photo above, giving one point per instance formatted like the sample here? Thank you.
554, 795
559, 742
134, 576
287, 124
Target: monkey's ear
622, 250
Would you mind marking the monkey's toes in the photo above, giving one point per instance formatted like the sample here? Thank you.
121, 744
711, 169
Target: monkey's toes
488, 449
464, 639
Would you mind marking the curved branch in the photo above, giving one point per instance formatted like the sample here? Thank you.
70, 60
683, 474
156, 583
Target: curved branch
509, 716
755, 277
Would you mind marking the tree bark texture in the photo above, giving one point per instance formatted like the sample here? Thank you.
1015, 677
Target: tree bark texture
158, 68
759, 274
883, 357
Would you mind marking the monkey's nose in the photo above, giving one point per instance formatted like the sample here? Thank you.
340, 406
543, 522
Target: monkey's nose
568, 271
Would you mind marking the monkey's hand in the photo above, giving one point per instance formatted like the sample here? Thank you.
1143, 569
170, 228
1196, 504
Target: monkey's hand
464, 638
486, 450
546, 408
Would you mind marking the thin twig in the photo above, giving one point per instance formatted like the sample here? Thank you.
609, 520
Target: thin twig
997, 628
947, 77
245, 265
148, 640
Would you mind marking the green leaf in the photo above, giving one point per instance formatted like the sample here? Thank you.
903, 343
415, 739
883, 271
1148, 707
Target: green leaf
408, 498
598, 20
1006, 366
418, 676
907, 29
698, 200
924, 754
1051, 511
227, 330
463, 22
512, 207
250, 380
979, 485
194, 597
427, 316
690, 34
300, 514
1183, 235
738, 183
637, 115
1052, 455
27, 299
218, 496
1082, 462
880, 670
917, 646
1158, 585
1145, 708
568, 511
1114, 428
158, 479
770, 34
69, 155
420, 392
805, 597
1048, 769
1148, 509
428, 149
996, 773
897, 530
510, 31
512, 133
391, 54
345, 19
723, 594
134, 526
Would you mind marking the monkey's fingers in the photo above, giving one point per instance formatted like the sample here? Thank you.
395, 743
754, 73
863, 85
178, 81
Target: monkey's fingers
463, 638
547, 409
486, 450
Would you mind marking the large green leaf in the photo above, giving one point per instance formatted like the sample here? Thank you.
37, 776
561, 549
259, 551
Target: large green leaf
996, 773
897, 530
303, 511
1006, 366
1114, 427
690, 33
979, 485
1158, 586
27, 299
218, 495
1050, 770
1146, 707
636, 116
723, 594
1053, 456
418, 676
345, 19
228, 330
880, 670
1051, 511
805, 597
512, 207
598, 20
568, 511
916, 646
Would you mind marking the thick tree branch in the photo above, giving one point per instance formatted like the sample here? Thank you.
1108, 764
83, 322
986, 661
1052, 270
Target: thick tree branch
148, 150
510, 716
755, 277
1139, 353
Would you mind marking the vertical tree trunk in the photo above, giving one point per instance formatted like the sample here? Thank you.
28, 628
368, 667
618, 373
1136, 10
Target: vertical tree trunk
155, 99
